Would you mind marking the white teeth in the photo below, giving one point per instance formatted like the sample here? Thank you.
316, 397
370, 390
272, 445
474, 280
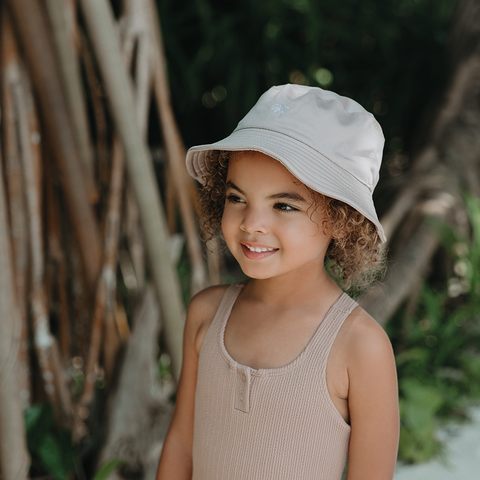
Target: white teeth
259, 250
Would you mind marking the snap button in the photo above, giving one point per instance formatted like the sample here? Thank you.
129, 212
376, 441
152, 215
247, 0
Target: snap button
241, 397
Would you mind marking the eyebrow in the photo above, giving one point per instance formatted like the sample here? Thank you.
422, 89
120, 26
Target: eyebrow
296, 197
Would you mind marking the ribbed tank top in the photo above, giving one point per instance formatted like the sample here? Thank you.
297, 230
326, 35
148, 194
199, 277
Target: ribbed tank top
268, 424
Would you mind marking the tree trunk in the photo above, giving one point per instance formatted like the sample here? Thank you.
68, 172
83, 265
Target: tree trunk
139, 412
447, 163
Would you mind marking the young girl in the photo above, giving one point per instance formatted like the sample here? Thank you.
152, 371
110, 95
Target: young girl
284, 375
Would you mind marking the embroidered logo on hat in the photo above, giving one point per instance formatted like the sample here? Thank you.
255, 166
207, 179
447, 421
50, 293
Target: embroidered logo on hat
279, 109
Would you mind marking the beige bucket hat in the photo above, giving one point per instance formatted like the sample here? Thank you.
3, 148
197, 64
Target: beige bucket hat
327, 141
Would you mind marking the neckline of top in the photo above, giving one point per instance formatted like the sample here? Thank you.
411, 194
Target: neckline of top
261, 372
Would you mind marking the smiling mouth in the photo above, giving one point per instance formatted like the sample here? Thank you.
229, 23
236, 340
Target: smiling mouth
258, 249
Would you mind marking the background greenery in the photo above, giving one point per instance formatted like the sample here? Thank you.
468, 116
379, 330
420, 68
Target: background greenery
389, 55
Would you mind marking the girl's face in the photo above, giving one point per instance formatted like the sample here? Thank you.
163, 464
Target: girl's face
268, 222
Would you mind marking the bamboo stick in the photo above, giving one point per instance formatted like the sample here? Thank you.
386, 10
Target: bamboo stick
14, 458
143, 81
70, 72
100, 23
99, 114
175, 152
13, 175
104, 312
105, 299
45, 344
111, 346
33, 32
55, 252
134, 237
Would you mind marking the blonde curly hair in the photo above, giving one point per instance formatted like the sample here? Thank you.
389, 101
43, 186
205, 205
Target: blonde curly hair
355, 256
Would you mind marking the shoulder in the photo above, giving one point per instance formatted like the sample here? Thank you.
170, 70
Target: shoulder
201, 311
370, 360
365, 338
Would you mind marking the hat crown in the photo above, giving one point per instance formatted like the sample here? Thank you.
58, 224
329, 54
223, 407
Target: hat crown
337, 127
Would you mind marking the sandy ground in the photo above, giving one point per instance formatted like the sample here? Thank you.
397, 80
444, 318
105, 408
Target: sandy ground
462, 458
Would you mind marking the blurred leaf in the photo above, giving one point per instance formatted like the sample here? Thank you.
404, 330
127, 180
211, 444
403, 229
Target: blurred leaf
38, 421
107, 468
421, 403
56, 454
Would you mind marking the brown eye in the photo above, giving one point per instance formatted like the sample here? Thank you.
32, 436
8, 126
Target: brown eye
284, 207
234, 199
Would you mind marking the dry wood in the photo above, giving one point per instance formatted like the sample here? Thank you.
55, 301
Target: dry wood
135, 240
10, 69
56, 254
58, 11
175, 152
139, 413
104, 311
99, 113
170, 201
111, 347
52, 372
33, 32
411, 263
100, 23
143, 81
105, 299
14, 458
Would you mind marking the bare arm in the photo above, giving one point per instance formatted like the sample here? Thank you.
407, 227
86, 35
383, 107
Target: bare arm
373, 402
176, 458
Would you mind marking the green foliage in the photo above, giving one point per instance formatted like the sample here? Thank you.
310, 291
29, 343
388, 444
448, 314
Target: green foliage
107, 468
388, 55
437, 345
51, 449
418, 407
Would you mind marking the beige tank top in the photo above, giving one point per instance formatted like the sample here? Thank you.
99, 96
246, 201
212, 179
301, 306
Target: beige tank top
268, 424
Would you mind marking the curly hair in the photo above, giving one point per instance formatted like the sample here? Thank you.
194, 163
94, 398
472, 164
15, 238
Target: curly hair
355, 256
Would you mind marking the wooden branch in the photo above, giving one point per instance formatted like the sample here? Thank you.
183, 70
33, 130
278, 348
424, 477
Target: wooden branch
55, 252
99, 113
33, 32
71, 79
139, 413
10, 68
134, 237
175, 153
411, 263
14, 458
143, 81
100, 23
45, 344
105, 300
104, 311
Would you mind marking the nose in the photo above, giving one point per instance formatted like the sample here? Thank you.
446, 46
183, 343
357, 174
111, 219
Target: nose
254, 222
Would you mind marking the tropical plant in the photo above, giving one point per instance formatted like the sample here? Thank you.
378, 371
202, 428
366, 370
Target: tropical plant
437, 343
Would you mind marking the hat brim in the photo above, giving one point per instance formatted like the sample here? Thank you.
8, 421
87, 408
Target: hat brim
305, 163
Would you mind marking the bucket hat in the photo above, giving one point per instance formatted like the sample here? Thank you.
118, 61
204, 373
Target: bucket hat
327, 141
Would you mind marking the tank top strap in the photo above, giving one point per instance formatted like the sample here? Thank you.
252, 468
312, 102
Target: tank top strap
331, 324
226, 305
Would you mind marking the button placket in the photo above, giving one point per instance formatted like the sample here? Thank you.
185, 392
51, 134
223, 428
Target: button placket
242, 389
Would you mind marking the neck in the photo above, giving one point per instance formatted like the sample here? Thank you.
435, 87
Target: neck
289, 292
